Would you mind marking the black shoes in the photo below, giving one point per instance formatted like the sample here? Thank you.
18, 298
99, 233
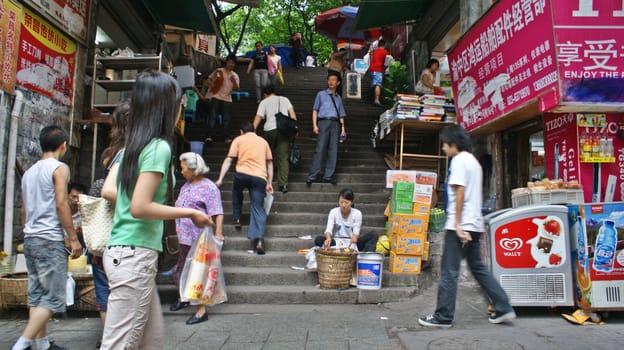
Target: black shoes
194, 319
260, 247
283, 189
331, 180
433, 322
178, 305
237, 223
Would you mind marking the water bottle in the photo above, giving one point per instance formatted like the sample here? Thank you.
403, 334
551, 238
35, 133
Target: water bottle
606, 241
582, 246
343, 137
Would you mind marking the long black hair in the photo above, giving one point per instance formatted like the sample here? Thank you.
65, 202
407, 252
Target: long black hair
153, 111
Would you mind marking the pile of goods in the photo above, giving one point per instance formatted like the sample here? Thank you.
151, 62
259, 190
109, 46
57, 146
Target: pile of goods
548, 191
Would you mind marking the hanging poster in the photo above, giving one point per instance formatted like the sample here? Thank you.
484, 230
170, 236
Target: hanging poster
46, 59
69, 15
561, 152
590, 50
504, 61
10, 17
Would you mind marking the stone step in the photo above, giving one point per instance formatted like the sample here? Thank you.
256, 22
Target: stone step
301, 187
303, 219
293, 294
288, 230
283, 203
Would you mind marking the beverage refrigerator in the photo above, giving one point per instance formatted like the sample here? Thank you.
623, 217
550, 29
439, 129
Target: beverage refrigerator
597, 252
529, 254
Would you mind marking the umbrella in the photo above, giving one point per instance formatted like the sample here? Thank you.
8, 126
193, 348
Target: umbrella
339, 23
350, 44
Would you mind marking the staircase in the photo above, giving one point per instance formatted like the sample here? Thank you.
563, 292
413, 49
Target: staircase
269, 279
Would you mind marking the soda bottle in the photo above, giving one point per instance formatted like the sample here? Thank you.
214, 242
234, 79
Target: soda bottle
606, 241
581, 239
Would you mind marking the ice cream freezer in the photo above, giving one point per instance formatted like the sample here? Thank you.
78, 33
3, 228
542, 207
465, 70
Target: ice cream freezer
529, 254
597, 253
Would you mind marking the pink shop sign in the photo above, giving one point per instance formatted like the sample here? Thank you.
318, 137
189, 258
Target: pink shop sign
590, 50
504, 61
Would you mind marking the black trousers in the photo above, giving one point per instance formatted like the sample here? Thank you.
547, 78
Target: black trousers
366, 242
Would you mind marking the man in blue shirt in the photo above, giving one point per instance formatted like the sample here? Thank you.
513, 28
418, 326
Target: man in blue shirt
328, 117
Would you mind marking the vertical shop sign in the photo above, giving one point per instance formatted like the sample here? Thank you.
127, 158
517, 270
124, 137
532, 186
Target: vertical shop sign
69, 15
10, 17
561, 150
504, 61
46, 59
590, 50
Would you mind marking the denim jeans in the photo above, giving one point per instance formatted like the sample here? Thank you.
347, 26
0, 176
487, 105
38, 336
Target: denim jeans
261, 80
453, 253
223, 108
46, 262
257, 192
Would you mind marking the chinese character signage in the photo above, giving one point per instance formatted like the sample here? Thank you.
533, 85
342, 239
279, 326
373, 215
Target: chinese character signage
10, 16
70, 15
590, 50
46, 59
504, 61
206, 43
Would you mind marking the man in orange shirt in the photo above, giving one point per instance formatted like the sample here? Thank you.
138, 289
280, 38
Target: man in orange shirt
254, 172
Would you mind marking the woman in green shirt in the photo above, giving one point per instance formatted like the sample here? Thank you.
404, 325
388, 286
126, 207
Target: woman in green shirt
134, 319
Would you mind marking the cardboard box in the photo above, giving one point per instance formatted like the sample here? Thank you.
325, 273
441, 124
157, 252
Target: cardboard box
419, 208
423, 194
410, 223
408, 244
426, 178
425, 256
403, 186
399, 175
402, 207
407, 264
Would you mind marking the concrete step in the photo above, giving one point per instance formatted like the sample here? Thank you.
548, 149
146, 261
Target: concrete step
289, 230
302, 187
303, 219
294, 294
281, 203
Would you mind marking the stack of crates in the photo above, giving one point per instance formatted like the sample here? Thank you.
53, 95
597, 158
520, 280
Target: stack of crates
407, 226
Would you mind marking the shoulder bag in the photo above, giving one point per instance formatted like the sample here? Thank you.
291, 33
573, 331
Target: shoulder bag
294, 157
285, 125
97, 222
168, 258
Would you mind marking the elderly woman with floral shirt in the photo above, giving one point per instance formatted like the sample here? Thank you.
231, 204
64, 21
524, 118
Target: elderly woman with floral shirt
202, 194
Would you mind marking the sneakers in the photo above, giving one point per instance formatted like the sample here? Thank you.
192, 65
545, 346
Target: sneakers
237, 224
432, 321
500, 317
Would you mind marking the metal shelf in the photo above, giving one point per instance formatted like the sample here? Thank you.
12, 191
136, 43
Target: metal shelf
116, 85
138, 62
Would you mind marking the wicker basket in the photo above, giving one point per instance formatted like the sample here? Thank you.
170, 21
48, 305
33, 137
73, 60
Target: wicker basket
13, 290
84, 296
335, 267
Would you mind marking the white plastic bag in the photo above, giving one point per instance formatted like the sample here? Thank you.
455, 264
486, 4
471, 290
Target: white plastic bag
311, 259
202, 278
70, 287
268, 202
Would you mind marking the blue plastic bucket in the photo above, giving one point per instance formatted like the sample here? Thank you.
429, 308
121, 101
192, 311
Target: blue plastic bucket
369, 268
197, 147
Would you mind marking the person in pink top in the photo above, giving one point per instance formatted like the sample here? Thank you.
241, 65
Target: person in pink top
377, 69
199, 193
221, 102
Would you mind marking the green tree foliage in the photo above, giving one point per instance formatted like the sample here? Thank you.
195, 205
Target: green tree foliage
275, 20
397, 82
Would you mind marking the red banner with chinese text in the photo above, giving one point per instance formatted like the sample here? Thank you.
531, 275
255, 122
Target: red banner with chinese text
504, 61
46, 59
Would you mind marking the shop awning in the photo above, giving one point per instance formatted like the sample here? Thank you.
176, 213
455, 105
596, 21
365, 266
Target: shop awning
189, 14
379, 13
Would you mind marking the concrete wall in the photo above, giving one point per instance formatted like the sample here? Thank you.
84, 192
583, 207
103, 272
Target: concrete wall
39, 111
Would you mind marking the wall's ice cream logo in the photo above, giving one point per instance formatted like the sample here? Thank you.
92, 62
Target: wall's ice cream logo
511, 244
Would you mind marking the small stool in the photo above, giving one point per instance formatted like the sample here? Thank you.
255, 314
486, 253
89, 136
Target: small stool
239, 94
